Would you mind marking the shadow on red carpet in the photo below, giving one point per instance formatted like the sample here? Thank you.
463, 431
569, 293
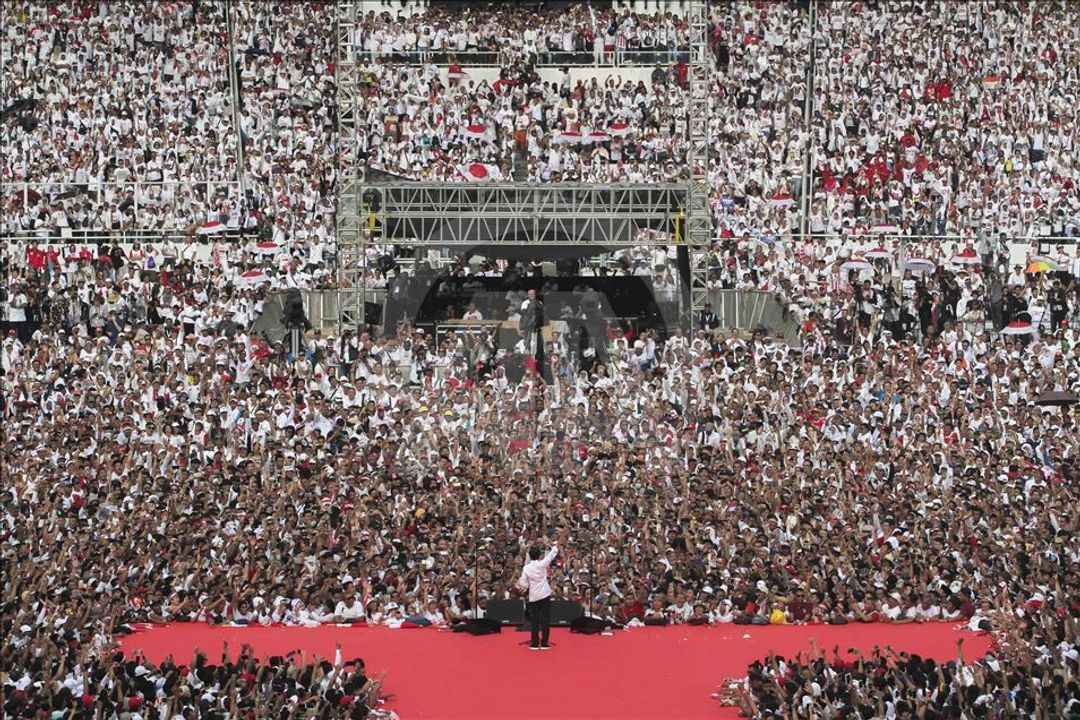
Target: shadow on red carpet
640, 673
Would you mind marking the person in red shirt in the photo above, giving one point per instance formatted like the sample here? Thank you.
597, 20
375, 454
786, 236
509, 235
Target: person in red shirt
634, 608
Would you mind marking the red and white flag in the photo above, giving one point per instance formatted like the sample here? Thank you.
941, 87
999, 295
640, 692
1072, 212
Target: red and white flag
267, 248
251, 278
476, 132
568, 137
480, 172
456, 73
597, 137
619, 129
211, 228
781, 201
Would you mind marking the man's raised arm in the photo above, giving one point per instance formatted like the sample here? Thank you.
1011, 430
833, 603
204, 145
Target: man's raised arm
550, 556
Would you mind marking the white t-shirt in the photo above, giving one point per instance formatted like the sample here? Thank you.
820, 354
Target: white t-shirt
343, 611
16, 307
919, 612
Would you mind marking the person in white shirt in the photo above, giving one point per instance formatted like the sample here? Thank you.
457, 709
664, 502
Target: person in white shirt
925, 610
534, 580
348, 610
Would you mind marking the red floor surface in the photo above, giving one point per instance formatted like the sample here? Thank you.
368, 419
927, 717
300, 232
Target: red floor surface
641, 673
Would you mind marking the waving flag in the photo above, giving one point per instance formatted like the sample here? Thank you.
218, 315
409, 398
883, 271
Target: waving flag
251, 278
480, 172
211, 228
267, 248
476, 132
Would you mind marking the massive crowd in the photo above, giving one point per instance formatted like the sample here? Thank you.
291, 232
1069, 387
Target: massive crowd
898, 466
122, 116
904, 477
117, 116
94, 93
947, 119
890, 684
500, 32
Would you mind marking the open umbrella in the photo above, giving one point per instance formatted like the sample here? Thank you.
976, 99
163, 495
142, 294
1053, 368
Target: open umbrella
857, 264
920, 265
879, 253
30, 195
1040, 266
1057, 398
69, 193
1018, 328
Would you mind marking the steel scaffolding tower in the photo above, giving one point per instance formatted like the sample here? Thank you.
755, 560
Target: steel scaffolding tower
352, 258
698, 221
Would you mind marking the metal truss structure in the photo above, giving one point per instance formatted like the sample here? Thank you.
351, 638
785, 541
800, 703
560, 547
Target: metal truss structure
699, 218
477, 215
460, 214
351, 238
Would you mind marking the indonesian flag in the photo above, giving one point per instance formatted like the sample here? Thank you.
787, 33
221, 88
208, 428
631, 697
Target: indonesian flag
456, 73
267, 248
1018, 328
568, 137
781, 201
476, 132
597, 137
619, 129
211, 228
480, 172
991, 81
251, 278
966, 257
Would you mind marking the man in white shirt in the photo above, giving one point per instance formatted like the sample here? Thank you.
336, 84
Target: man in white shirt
925, 610
534, 580
348, 610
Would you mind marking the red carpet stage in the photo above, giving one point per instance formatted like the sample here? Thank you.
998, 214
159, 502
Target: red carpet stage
641, 673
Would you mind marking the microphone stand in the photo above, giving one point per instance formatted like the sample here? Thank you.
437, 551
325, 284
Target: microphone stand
592, 564
476, 579
591, 540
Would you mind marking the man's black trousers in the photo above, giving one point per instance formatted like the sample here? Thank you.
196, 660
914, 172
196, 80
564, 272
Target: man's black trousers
540, 621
